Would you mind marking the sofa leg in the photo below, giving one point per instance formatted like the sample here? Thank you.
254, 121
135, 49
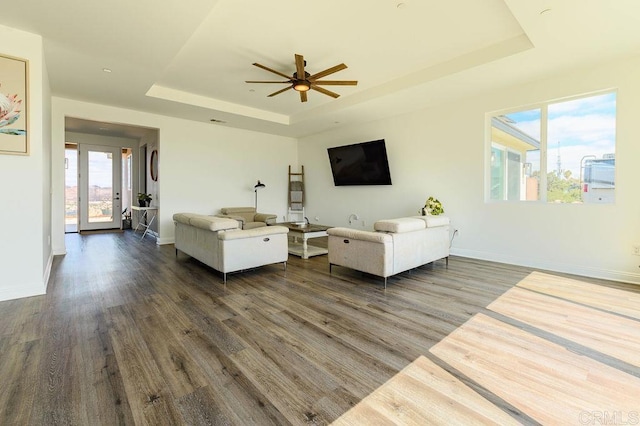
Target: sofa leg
447, 262
224, 278
385, 283
285, 266
330, 265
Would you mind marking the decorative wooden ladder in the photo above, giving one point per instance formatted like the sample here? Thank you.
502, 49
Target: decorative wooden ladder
296, 196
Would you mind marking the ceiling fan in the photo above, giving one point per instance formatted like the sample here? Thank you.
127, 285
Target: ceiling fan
301, 81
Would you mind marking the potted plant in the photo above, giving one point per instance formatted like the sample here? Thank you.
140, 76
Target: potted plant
144, 199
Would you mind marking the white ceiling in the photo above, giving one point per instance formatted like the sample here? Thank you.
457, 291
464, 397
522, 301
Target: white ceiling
190, 60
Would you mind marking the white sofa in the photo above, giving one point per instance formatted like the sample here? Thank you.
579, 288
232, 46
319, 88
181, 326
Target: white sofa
221, 244
395, 246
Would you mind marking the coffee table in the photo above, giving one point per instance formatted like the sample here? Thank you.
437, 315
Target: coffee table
305, 232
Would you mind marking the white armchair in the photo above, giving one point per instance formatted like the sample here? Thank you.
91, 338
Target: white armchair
248, 217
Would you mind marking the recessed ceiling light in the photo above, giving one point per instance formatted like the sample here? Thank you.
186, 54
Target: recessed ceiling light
215, 120
252, 90
545, 11
106, 70
400, 5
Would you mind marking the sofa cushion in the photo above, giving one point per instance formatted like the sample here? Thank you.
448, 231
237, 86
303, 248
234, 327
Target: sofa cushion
236, 234
234, 210
211, 223
240, 219
433, 221
253, 225
183, 217
243, 214
265, 217
357, 234
248, 217
403, 224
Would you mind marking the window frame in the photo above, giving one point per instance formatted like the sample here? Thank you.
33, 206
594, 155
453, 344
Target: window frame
543, 106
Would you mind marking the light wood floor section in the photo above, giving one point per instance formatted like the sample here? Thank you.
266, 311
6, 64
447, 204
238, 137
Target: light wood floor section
130, 334
541, 378
537, 374
611, 334
616, 300
421, 394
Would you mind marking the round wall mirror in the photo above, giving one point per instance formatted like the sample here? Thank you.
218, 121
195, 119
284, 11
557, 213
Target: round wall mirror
153, 165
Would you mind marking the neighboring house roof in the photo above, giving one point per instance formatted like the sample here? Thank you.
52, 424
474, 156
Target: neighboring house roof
502, 122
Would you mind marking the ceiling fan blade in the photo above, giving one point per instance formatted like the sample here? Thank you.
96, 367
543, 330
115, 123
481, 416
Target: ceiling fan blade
280, 91
337, 82
252, 81
325, 91
300, 67
271, 70
328, 71
303, 96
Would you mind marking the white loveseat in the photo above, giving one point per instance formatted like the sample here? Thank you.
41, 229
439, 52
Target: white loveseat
395, 246
221, 244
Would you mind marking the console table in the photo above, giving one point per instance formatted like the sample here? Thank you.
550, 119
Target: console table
305, 232
144, 221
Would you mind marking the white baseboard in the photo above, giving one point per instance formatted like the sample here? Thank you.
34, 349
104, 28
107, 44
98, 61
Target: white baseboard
161, 241
47, 272
585, 271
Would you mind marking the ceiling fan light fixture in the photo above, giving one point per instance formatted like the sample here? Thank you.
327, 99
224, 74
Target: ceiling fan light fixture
301, 81
301, 85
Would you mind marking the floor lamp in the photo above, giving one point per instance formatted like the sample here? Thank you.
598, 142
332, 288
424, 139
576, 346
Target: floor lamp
255, 189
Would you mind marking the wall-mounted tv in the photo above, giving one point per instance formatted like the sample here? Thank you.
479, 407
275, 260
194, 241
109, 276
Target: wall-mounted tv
360, 164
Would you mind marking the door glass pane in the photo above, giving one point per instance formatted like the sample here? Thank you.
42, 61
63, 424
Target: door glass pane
100, 179
71, 190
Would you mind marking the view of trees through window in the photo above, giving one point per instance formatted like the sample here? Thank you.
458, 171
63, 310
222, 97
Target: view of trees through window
566, 147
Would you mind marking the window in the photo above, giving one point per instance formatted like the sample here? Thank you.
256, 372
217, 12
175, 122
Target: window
515, 153
567, 148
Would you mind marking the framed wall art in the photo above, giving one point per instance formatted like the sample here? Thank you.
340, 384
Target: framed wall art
14, 138
153, 165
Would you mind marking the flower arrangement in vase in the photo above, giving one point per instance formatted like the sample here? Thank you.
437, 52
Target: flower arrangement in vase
432, 207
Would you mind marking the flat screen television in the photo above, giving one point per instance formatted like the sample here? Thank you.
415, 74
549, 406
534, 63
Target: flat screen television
363, 163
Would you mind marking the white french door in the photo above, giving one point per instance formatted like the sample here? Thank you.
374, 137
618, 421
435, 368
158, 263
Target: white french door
100, 187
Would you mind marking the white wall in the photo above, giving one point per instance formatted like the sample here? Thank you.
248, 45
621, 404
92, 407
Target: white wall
202, 166
25, 252
441, 152
47, 248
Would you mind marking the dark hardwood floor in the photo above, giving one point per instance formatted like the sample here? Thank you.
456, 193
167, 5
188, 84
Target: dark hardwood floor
128, 333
